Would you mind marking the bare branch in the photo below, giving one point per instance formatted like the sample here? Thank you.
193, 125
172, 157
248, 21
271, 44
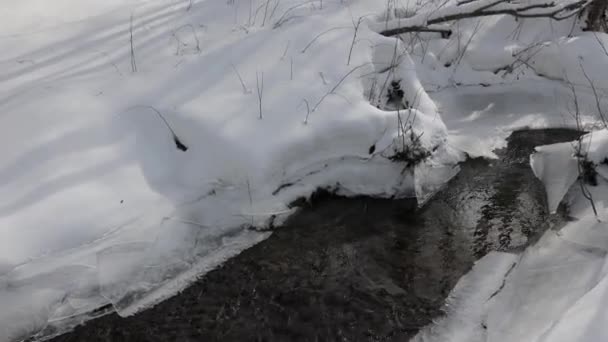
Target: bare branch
480, 8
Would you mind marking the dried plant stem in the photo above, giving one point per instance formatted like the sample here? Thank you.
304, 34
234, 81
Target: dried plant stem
260, 90
133, 62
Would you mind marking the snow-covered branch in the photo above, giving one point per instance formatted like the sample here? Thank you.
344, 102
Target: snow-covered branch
432, 20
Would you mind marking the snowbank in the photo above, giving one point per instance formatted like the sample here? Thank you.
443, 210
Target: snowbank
99, 204
495, 75
570, 58
556, 289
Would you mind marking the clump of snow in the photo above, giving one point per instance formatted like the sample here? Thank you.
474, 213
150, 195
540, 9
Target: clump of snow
558, 166
594, 147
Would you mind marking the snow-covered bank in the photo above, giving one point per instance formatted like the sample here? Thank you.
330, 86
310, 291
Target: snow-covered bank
497, 80
98, 203
556, 289
558, 166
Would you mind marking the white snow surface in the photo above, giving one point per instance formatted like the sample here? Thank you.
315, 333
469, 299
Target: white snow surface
98, 206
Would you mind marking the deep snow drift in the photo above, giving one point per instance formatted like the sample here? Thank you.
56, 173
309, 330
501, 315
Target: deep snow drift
270, 100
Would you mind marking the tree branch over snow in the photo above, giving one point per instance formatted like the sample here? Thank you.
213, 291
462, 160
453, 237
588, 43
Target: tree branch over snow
435, 21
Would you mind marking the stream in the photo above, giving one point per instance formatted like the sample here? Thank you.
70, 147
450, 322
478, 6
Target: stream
355, 269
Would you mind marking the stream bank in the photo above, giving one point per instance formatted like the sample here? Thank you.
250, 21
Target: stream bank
355, 269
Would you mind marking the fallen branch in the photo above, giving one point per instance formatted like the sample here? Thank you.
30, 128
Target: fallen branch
482, 8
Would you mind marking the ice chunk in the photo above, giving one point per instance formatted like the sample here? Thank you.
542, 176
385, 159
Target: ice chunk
557, 167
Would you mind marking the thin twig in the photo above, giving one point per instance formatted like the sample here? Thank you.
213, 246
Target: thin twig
178, 142
250, 199
596, 95
580, 156
179, 41
260, 90
133, 63
338, 85
602, 45
265, 12
305, 101
321, 34
274, 9
352, 44
245, 89
285, 51
283, 17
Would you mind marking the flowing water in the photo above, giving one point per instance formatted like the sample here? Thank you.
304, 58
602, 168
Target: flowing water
356, 269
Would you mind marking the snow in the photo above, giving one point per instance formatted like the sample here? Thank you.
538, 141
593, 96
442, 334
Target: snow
557, 166
98, 206
567, 58
465, 304
479, 119
594, 147
554, 291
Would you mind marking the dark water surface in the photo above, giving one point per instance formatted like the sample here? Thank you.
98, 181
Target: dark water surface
354, 269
